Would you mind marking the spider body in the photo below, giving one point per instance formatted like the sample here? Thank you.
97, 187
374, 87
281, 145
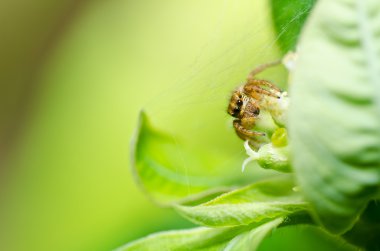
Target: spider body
246, 102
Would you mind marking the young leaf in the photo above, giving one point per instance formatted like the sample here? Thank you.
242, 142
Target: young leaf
334, 116
251, 240
156, 167
258, 202
193, 239
211, 239
288, 17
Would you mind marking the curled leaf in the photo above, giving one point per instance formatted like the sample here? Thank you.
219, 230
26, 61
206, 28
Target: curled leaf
157, 168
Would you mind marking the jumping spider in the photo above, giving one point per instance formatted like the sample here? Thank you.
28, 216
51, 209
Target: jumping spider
246, 102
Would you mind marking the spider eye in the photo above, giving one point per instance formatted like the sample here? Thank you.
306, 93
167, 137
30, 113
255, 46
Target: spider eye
236, 111
239, 102
257, 111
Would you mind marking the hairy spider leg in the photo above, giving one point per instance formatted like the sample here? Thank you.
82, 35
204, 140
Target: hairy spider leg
262, 82
261, 68
254, 90
243, 132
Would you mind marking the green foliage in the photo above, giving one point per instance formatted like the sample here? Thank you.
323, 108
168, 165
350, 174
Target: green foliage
162, 173
157, 168
243, 216
251, 240
334, 143
288, 18
259, 202
366, 232
193, 239
335, 111
220, 239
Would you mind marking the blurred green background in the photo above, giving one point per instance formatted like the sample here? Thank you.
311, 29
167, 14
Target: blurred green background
75, 75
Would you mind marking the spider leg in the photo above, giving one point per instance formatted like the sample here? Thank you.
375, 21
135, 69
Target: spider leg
255, 90
245, 133
261, 68
265, 83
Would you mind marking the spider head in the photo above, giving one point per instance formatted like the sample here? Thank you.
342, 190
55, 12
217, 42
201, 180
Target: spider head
236, 103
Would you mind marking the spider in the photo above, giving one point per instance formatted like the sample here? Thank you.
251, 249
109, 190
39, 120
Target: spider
246, 101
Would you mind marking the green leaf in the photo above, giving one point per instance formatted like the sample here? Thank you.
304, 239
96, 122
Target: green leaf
194, 239
219, 239
258, 202
161, 172
251, 240
334, 116
366, 232
288, 17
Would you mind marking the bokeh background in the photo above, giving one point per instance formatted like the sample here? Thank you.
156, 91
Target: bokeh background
74, 75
